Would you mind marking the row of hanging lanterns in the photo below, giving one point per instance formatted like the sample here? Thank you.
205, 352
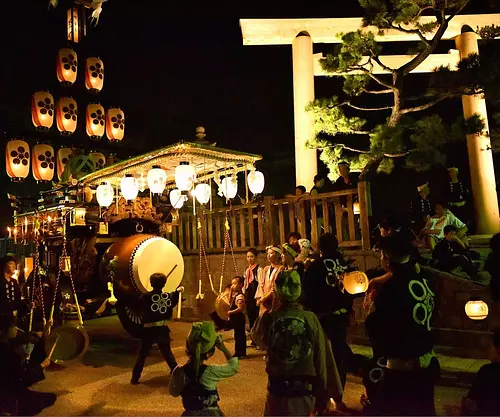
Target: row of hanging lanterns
67, 70
185, 177
42, 159
98, 121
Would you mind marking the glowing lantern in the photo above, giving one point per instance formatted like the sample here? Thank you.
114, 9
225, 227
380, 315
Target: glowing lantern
229, 187
105, 194
66, 115
115, 124
99, 160
177, 199
129, 187
157, 179
202, 193
256, 182
356, 208
17, 159
63, 157
184, 176
96, 121
43, 161
94, 75
355, 282
476, 309
42, 110
67, 66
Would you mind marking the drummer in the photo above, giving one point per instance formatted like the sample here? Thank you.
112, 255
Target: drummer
157, 308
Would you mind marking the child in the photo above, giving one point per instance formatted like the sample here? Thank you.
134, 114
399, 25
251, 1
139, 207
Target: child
237, 319
196, 382
483, 398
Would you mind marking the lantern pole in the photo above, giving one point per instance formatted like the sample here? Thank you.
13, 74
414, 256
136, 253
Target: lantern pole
246, 183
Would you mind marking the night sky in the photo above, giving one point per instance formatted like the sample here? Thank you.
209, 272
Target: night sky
171, 66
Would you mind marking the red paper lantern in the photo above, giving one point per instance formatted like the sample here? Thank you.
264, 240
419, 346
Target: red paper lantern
42, 110
63, 157
43, 162
66, 115
99, 160
115, 124
94, 75
67, 66
17, 159
96, 121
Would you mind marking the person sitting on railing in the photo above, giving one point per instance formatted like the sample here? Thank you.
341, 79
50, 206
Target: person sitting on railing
346, 181
321, 185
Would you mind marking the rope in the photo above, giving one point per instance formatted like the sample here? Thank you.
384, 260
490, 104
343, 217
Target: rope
204, 254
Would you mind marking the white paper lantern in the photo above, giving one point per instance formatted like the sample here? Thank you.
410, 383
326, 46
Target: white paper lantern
105, 194
17, 159
66, 115
157, 179
96, 121
115, 124
476, 309
94, 74
184, 176
67, 66
202, 193
177, 199
229, 187
129, 187
256, 182
355, 282
43, 162
42, 110
63, 157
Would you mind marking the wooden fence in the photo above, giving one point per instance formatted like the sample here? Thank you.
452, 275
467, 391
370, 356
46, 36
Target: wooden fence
344, 213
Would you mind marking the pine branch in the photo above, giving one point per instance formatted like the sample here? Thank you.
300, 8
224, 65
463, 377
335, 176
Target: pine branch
366, 108
457, 12
387, 91
413, 31
378, 61
350, 148
426, 105
374, 77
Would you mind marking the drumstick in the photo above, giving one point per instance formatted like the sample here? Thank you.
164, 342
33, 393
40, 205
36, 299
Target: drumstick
179, 306
173, 269
53, 348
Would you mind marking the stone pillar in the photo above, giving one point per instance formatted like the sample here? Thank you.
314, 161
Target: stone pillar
479, 148
306, 165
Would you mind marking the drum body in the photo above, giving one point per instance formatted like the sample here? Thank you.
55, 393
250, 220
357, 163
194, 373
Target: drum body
131, 261
72, 342
222, 305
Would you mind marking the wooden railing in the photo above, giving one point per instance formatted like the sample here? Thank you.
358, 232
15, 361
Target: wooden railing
344, 213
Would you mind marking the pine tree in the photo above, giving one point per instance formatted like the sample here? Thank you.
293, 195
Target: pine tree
412, 132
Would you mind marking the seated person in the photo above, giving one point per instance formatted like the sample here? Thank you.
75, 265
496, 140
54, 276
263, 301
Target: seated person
483, 398
492, 265
434, 228
451, 253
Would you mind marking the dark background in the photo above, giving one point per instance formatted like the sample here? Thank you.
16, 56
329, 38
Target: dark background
172, 67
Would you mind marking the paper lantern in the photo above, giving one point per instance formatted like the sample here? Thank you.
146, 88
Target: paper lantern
256, 182
184, 176
476, 309
115, 124
67, 66
356, 208
105, 194
63, 157
202, 193
42, 110
43, 161
66, 115
94, 74
355, 282
177, 199
157, 179
96, 121
17, 159
99, 160
129, 187
229, 187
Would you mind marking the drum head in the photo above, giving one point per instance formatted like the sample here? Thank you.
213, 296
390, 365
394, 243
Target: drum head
222, 306
72, 343
157, 255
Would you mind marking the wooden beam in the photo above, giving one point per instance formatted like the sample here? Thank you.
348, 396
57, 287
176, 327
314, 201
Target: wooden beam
451, 59
284, 31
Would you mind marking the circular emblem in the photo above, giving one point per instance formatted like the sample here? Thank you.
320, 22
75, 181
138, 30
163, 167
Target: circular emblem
289, 340
160, 303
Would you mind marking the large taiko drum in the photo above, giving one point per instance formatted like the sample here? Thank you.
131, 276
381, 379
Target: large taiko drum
222, 305
130, 262
67, 342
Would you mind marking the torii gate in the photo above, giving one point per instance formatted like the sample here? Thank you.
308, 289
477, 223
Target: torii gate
300, 34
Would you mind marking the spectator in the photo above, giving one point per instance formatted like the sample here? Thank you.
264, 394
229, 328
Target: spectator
293, 240
458, 195
252, 276
320, 186
434, 228
421, 207
237, 319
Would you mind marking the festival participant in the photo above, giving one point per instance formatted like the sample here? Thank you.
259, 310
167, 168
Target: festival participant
483, 398
196, 382
11, 304
288, 258
401, 323
421, 207
252, 275
265, 292
157, 308
434, 228
301, 369
323, 296
457, 195
237, 319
